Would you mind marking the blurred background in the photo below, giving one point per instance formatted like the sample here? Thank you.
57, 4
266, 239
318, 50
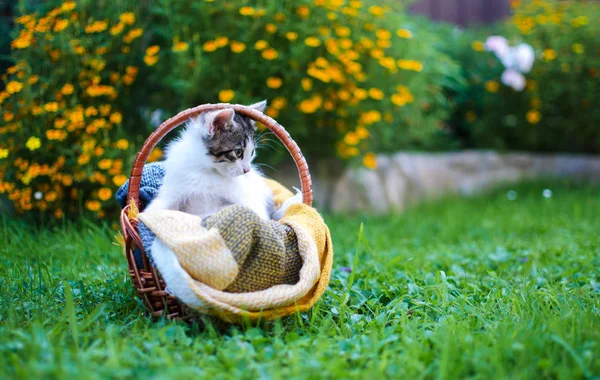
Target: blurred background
392, 102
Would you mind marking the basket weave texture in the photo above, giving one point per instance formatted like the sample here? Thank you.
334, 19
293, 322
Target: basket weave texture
147, 280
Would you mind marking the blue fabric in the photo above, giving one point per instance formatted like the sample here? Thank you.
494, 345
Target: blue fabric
152, 179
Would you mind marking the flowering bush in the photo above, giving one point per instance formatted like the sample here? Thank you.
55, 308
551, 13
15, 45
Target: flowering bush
548, 108
344, 77
65, 106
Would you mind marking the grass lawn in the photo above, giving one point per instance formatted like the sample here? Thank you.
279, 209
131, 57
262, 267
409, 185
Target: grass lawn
482, 288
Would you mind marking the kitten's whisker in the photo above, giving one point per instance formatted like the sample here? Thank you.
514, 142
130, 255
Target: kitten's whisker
261, 165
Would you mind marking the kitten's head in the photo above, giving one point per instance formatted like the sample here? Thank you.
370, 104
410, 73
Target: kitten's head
229, 140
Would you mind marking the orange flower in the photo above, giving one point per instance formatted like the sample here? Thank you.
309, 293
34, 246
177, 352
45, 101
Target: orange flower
274, 82
376, 93
150, 60
93, 205
370, 161
270, 54
404, 33
119, 180
104, 193
226, 95
127, 18
237, 47
312, 41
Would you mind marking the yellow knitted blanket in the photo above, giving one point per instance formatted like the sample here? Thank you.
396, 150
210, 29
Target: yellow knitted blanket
236, 266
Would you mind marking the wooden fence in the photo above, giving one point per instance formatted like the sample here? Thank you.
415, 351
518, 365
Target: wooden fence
463, 12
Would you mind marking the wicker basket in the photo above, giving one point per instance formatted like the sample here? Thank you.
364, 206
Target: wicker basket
147, 281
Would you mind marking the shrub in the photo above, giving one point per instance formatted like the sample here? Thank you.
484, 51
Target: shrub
556, 110
64, 107
344, 77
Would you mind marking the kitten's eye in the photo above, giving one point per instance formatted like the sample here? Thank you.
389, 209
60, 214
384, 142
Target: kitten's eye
239, 153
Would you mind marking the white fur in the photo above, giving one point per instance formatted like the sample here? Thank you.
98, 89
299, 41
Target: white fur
193, 183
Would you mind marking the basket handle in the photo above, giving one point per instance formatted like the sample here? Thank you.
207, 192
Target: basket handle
184, 116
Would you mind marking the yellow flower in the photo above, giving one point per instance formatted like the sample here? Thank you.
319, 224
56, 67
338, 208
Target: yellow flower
60, 25
312, 41
33, 143
33, 79
533, 117
278, 103
383, 34
68, 6
8, 116
3, 153
122, 144
60, 123
270, 54
152, 50
53, 134
549, 54
271, 28
93, 205
51, 107
67, 89
331, 16
119, 180
377, 53
13, 87
292, 36
410, 65
370, 161
261, 44
303, 11
376, 10
362, 132
117, 29
180, 46
104, 193
376, 93
351, 138
360, 93
83, 159
492, 86
306, 84
150, 60
116, 118
478, 46
237, 47
208, 46
226, 95
247, 11
127, 18
274, 82
133, 34
404, 33
96, 27
279, 17
222, 41
342, 31
578, 48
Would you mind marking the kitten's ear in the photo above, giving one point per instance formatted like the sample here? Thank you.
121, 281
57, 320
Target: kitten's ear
221, 120
260, 106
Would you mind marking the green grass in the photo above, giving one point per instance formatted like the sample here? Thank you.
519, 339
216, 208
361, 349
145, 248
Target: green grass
480, 288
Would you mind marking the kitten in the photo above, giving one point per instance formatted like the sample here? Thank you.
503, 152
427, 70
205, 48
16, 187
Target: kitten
209, 167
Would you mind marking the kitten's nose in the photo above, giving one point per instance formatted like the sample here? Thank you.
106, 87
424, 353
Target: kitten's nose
246, 170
